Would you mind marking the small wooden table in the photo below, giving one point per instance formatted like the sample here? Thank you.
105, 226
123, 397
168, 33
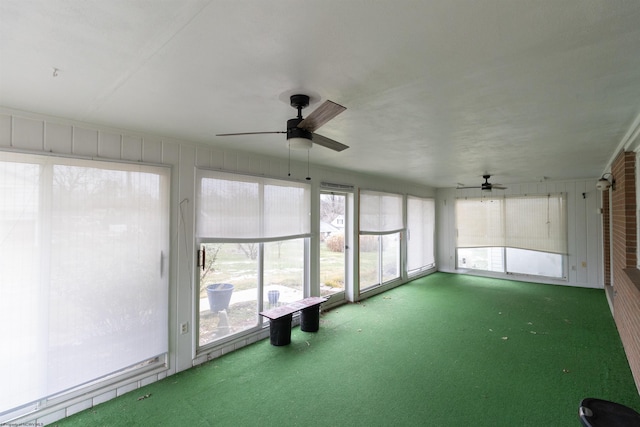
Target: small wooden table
280, 325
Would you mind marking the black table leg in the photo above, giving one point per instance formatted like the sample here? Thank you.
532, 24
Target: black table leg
280, 330
310, 319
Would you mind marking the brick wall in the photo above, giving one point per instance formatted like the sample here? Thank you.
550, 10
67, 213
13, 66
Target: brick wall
623, 243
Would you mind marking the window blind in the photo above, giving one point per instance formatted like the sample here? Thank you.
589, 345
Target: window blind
380, 212
232, 206
480, 222
83, 256
536, 223
420, 230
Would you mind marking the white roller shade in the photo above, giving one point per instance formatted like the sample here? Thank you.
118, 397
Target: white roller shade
420, 232
480, 222
380, 212
248, 207
536, 223
287, 210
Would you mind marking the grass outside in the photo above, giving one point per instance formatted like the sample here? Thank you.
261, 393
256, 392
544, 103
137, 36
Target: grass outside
237, 318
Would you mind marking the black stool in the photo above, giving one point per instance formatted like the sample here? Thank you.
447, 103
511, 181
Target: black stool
598, 412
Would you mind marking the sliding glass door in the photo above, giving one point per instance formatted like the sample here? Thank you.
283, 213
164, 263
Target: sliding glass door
381, 224
333, 245
83, 272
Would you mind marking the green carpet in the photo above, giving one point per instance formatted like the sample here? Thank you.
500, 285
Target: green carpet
444, 350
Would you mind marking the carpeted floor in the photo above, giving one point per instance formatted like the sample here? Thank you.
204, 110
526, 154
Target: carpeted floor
444, 350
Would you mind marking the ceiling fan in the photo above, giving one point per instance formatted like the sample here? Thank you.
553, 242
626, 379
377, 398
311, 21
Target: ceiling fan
486, 185
301, 131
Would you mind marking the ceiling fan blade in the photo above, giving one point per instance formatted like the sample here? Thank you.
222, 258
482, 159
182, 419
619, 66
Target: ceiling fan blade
498, 187
248, 133
328, 143
465, 188
321, 115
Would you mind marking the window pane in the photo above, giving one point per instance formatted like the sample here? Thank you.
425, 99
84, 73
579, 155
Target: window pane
332, 245
420, 233
535, 263
106, 289
390, 257
488, 259
284, 271
19, 208
369, 261
228, 290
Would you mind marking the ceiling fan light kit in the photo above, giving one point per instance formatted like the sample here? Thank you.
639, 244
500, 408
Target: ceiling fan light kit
299, 143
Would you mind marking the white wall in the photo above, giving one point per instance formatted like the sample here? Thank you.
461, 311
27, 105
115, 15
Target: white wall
20, 131
584, 229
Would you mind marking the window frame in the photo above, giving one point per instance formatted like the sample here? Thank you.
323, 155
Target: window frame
261, 240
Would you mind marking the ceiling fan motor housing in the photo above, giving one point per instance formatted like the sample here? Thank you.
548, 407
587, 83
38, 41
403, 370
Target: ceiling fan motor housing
486, 186
293, 131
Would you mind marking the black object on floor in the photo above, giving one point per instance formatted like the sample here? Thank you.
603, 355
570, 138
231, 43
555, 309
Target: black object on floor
280, 330
310, 319
597, 412
280, 326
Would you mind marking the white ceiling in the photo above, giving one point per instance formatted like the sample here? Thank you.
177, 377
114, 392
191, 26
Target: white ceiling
437, 92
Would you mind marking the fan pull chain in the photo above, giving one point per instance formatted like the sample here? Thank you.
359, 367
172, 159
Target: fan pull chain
289, 170
308, 177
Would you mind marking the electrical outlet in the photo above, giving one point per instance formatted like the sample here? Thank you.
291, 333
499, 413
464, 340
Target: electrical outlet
184, 328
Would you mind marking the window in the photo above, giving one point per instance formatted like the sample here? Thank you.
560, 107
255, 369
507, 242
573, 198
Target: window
83, 256
523, 234
334, 238
253, 235
380, 226
420, 234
